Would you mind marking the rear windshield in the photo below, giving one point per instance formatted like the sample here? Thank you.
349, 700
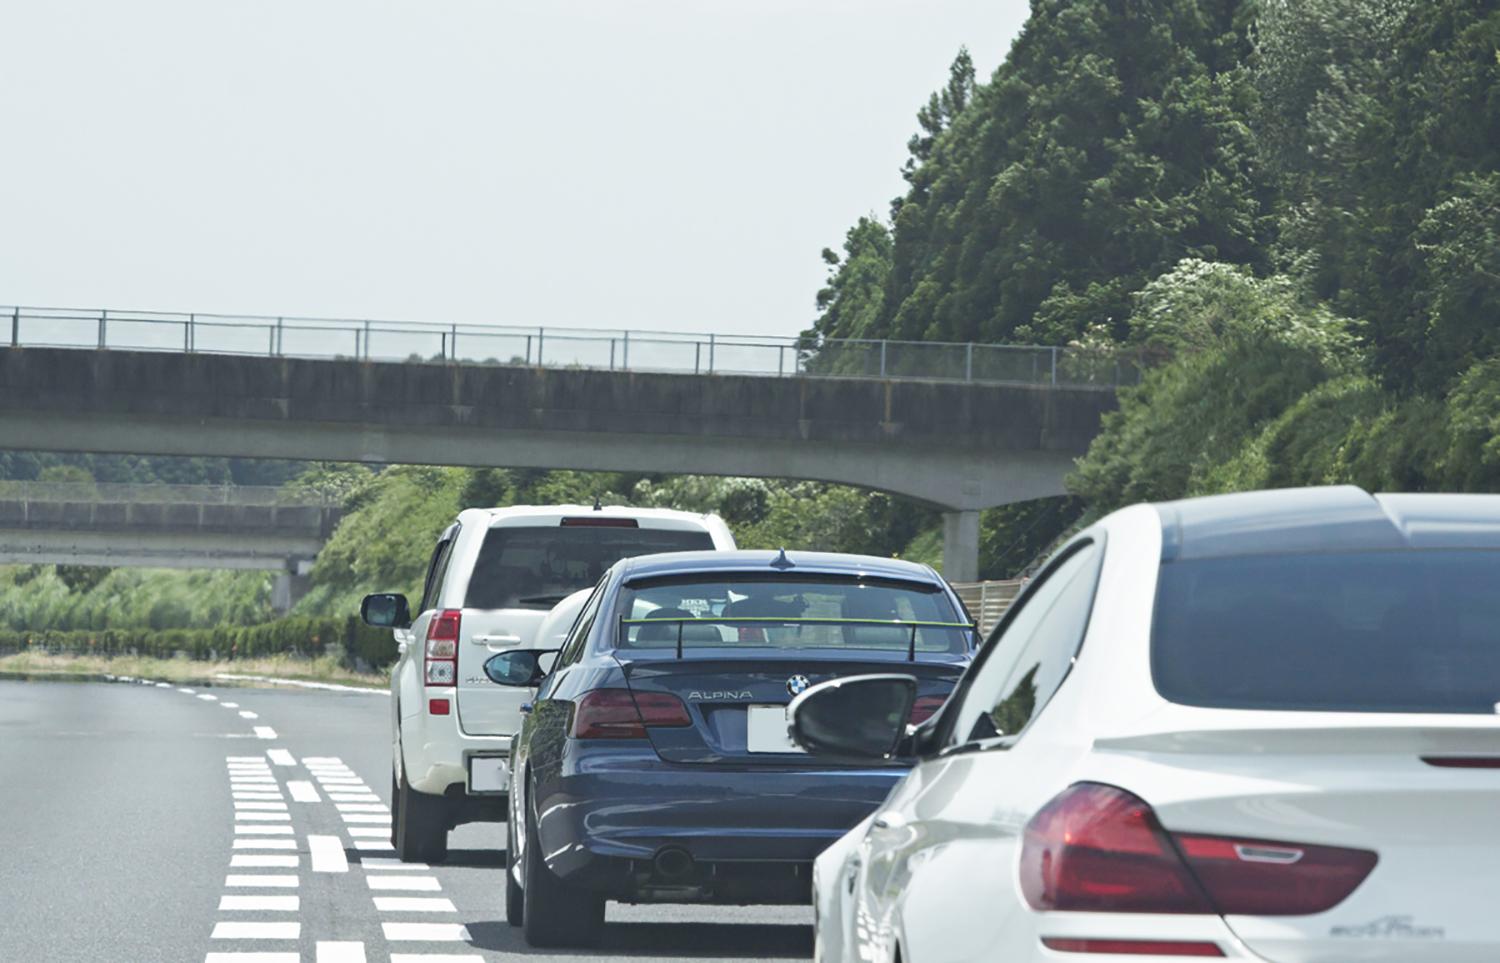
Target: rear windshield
791, 613
1405, 631
537, 567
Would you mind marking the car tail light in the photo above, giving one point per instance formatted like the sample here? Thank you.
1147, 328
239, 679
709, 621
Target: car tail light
617, 714
441, 666
1096, 848
924, 707
1133, 947
438, 707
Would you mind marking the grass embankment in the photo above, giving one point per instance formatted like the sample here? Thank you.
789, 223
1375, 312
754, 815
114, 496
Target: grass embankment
320, 669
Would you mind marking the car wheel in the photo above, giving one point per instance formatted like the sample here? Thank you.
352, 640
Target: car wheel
395, 808
515, 896
554, 913
419, 831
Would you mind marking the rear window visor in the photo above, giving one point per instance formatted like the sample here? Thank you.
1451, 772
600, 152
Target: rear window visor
757, 611
535, 567
1407, 631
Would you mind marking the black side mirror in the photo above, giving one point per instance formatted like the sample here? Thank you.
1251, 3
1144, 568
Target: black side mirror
862, 717
522, 668
386, 611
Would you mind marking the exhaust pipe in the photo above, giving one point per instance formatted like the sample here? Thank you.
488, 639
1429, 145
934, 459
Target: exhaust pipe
673, 863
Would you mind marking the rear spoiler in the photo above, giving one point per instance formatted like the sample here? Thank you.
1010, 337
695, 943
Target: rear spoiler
769, 621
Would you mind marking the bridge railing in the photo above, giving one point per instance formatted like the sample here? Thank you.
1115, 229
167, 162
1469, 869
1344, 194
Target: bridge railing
653, 351
100, 492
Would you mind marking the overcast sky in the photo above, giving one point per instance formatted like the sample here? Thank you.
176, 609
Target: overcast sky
667, 164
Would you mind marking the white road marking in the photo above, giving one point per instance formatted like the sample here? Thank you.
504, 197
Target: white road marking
414, 884
258, 759
230, 705
303, 791
321, 759
256, 931
266, 806
248, 715
328, 854
209, 698
340, 952
384, 865
281, 757
368, 831
384, 845
427, 932
362, 807
164, 685
251, 794
265, 844
414, 904
251, 817
277, 904
258, 830
254, 958
261, 882
329, 686
353, 796
188, 691
265, 732
256, 861
436, 958
367, 818
351, 782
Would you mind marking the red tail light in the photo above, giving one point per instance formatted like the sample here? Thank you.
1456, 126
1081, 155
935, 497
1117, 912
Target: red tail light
1096, 848
616, 714
924, 707
441, 666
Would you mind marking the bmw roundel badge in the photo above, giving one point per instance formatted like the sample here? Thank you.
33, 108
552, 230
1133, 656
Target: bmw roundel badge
797, 684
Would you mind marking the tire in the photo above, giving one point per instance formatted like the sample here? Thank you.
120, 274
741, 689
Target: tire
395, 808
515, 896
554, 913
419, 830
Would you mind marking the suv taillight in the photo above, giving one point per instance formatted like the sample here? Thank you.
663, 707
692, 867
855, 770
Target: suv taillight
441, 667
1097, 848
616, 714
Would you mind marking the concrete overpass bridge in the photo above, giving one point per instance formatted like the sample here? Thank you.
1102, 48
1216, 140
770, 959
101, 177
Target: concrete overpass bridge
960, 427
165, 526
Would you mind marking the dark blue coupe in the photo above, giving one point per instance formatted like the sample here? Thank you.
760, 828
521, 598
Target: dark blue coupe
654, 764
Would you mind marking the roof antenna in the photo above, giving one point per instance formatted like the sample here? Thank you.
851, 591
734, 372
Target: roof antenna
782, 562
598, 506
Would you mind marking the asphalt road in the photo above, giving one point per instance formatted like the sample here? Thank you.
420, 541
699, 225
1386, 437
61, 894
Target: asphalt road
122, 839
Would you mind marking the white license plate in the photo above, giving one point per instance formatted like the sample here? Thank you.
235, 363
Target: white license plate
489, 774
765, 730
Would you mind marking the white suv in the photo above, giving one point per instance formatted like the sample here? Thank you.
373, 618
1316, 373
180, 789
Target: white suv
494, 580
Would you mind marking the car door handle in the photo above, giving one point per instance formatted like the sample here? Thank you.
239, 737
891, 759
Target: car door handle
497, 639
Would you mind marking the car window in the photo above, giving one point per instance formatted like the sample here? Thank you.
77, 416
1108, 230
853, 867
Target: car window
1035, 652
573, 646
535, 567
436, 572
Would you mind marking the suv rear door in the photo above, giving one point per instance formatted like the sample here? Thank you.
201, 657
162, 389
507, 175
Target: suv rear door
526, 565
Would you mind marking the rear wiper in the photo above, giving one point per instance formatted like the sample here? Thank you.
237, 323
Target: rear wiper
541, 599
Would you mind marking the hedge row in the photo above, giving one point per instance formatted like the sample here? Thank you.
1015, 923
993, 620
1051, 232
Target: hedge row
307, 637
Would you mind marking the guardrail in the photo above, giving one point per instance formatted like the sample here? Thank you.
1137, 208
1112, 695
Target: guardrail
618, 350
98, 492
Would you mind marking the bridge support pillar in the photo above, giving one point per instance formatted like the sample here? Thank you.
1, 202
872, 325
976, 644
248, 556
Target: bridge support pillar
287, 591
961, 546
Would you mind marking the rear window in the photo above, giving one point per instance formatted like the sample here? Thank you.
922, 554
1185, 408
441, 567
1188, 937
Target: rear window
537, 567
1404, 631
792, 613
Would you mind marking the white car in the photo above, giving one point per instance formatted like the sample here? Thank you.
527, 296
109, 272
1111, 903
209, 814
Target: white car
499, 579
1253, 727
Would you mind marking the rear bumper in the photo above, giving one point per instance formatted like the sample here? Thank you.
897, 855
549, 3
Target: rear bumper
750, 834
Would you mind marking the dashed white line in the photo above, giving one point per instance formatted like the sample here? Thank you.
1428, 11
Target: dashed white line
361, 807
253, 958
259, 830
241, 804
281, 757
256, 931
413, 884
255, 759
372, 863
261, 817
264, 732
249, 881
353, 796
366, 817
414, 904
340, 952
256, 861
164, 685
436, 958
187, 691
260, 904
230, 705
328, 854
209, 698
368, 832
251, 794
254, 843
384, 845
425, 932
303, 791
246, 714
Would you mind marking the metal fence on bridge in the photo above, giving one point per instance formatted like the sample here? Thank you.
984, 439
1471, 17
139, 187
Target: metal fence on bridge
163, 494
649, 351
